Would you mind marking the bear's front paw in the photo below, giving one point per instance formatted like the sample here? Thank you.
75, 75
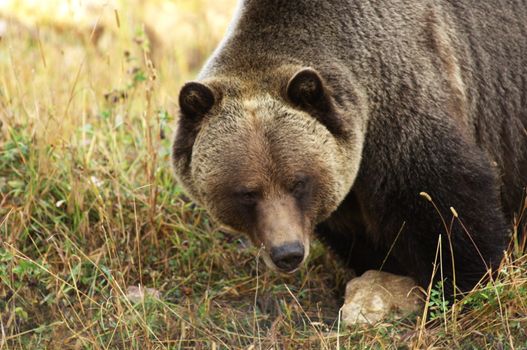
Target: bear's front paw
375, 295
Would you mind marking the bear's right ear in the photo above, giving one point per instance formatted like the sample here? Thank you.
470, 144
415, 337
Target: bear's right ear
195, 100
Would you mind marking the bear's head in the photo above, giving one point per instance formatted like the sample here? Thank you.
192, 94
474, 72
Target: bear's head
270, 160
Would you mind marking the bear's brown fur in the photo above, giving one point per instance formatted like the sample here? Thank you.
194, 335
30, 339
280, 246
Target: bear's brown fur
333, 116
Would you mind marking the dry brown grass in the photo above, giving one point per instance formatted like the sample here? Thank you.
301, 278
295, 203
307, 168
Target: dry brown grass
88, 207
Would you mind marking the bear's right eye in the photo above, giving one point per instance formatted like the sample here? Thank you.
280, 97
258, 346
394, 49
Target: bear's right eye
248, 197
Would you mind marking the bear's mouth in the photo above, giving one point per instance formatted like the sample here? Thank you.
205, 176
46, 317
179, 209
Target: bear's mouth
265, 252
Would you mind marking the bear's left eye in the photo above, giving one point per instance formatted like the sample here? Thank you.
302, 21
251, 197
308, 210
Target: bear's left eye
300, 186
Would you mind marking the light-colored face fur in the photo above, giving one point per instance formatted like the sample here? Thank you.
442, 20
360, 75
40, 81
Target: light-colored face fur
268, 170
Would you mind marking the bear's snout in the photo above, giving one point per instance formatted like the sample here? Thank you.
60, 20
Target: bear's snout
287, 257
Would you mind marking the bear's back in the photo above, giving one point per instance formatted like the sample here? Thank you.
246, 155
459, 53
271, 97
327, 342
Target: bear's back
473, 51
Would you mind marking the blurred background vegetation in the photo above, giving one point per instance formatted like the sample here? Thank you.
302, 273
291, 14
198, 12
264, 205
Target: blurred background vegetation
89, 208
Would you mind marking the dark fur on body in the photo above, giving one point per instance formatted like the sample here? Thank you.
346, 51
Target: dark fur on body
441, 87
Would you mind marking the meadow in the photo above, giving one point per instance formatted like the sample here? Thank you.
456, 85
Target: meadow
89, 208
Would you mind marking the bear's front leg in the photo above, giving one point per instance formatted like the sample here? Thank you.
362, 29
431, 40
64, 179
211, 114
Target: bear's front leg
409, 180
345, 234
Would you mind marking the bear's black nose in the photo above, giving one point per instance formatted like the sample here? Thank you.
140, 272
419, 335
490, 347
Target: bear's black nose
287, 257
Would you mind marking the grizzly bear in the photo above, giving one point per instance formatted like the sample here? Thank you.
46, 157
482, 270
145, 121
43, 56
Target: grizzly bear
394, 131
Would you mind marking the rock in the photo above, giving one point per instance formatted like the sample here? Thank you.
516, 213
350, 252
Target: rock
376, 295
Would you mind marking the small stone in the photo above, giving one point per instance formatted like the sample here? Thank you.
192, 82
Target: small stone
137, 294
375, 295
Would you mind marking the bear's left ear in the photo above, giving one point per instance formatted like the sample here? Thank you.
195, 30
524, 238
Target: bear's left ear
306, 89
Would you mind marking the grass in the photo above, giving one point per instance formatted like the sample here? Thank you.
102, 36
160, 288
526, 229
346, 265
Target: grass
89, 207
